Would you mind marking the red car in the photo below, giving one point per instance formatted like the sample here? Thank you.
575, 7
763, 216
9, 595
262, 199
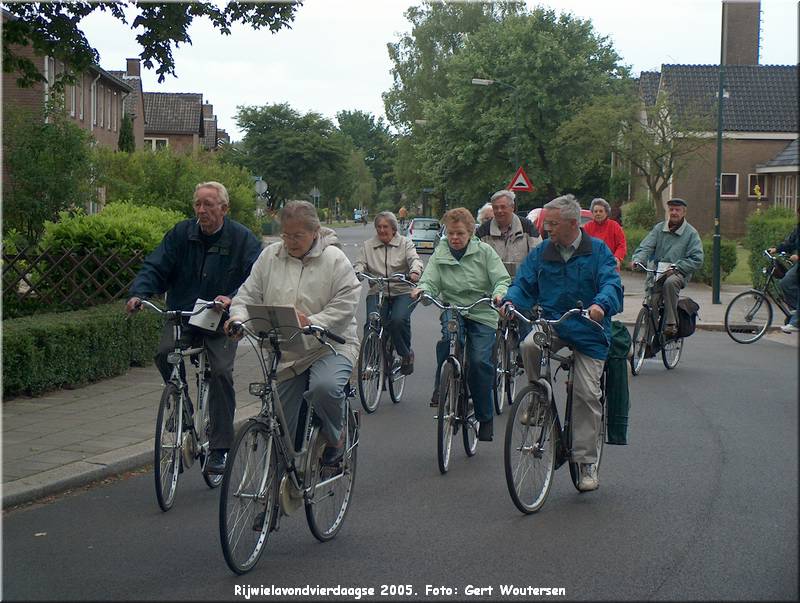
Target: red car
537, 217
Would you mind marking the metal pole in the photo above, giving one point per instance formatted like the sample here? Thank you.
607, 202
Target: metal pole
517, 127
715, 278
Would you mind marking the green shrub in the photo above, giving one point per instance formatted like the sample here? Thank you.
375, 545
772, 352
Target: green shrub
639, 214
764, 230
68, 349
633, 237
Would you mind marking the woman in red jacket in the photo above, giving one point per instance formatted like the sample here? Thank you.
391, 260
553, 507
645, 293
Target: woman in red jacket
607, 230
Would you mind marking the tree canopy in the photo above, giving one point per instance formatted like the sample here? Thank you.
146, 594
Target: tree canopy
52, 29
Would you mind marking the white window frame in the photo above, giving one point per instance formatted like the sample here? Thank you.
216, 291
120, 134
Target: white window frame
73, 98
724, 195
150, 143
110, 106
79, 85
750, 185
115, 111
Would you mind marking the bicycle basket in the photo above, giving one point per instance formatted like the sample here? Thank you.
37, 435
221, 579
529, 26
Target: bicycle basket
779, 270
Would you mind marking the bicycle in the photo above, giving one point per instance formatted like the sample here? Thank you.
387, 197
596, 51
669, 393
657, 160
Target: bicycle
455, 404
269, 473
536, 444
173, 454
378, 362
648, 334
504, 357
749, 314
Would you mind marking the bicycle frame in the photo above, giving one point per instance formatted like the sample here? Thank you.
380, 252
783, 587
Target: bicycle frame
769, 291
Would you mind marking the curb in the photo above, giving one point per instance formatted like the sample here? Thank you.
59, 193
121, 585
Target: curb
705, 326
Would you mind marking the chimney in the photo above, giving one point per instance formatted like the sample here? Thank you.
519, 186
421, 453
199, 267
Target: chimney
208, 111
742, 25
133, 67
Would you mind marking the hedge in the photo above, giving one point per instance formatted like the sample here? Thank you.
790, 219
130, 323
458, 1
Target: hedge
68, 349
764, 230
634, 237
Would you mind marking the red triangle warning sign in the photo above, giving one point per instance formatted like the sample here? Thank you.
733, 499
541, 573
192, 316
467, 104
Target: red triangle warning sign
521, 182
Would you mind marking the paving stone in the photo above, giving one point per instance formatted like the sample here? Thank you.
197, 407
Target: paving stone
60, 457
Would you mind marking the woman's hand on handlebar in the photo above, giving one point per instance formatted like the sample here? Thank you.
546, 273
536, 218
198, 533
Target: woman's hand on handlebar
303, 319
415, 293
233, 328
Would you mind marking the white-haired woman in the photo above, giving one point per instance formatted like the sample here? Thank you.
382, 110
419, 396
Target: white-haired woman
308, 271
385, 254
485, 214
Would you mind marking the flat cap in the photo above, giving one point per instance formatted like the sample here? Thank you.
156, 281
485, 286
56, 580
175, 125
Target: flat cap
677, 201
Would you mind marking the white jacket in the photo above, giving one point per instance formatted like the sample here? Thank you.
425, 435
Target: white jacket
379, 259
321, 285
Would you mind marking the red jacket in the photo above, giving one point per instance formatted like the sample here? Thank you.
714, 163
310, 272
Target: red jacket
611, 233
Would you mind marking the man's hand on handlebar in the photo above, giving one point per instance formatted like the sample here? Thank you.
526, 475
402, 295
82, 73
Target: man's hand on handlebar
413, 277
133, 305
222, 303
415, 293
596, 313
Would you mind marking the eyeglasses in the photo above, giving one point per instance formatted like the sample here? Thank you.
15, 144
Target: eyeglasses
552, 223
295, 236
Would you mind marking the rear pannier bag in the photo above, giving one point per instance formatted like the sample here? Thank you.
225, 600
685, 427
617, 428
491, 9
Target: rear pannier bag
687, 316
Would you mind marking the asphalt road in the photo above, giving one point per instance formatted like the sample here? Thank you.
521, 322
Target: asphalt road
702, 504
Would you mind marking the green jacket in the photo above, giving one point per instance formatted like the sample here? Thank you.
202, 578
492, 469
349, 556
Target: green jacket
480, 273
682, 248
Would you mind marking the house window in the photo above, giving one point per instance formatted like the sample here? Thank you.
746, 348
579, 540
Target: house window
729, 185
115, 111
110, 110
72, 99
785, 190
80, 97
100, 99
156, 143
759, 180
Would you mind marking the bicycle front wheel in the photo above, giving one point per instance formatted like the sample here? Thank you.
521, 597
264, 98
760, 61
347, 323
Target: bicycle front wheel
748, 317
469, 430
213, 480
248, 500
395, 377
332, 487
448, 400
370, 371
529, 455
167, 461
500, 361
671, 352
640, 340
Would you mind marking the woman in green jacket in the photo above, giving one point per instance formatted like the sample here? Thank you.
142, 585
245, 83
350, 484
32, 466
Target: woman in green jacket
462, 270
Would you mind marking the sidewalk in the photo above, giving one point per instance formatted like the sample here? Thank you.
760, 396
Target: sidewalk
69, 438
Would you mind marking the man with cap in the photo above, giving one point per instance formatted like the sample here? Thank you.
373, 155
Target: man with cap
676, 242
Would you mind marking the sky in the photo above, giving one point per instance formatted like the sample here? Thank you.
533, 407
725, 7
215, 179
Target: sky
334, 57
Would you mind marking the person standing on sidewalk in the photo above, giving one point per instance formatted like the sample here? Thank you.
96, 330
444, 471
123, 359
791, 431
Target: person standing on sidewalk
208, 257
674, 241
790, 283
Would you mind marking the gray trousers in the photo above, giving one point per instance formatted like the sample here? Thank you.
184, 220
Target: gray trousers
670, 288
586, 408
221, 397
321, 385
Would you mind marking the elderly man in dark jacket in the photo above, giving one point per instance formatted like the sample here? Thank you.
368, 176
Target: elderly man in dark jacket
790, 283
207, 258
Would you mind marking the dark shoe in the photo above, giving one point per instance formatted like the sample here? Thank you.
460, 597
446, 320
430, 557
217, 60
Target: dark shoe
435, 398
216, 461
485, 431
670, 331
333, 455
407, 364
258, 524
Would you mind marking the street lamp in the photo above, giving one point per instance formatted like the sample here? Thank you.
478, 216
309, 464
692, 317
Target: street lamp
476, 81
716, 253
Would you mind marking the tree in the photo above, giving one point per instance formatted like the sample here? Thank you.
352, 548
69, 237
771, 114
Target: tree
48, 168
292, 152
374, 141
52, 30
126, 143
658, 140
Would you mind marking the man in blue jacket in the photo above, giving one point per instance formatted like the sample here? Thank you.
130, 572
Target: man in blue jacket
207, 258
567, 269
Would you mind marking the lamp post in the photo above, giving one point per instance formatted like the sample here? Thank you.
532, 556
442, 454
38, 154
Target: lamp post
715, 262
476, 81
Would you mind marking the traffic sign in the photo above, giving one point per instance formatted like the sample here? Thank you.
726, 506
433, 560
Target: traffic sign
521, 182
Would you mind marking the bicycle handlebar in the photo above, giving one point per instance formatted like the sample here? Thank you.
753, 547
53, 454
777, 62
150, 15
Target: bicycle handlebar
583, 313
177, 313
320, 333
781, 254
447, 306
395, 278
650, 270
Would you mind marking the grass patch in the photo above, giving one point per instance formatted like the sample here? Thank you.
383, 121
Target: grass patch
741, 274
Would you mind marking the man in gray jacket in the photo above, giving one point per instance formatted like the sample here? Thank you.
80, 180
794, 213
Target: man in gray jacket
676, 242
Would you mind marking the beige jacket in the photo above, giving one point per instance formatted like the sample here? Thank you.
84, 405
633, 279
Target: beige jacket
515, 248
398, 255
322, 285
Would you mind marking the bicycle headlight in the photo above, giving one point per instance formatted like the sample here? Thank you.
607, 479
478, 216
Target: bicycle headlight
452, 326
257, 389
539, 338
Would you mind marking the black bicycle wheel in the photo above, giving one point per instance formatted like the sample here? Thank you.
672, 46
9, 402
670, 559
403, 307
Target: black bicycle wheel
748, 316
213, 480
641, 338
501, 371
249, 495
332, 487
448, 399
512, 351
370, 371
469, 429
395, 377
671, 352
167, 458
529, 452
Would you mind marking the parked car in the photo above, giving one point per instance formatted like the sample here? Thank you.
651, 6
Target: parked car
424, 233
537, 217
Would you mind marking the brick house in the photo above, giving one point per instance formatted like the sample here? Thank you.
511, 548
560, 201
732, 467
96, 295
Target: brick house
175, 120
134, 102
760, 121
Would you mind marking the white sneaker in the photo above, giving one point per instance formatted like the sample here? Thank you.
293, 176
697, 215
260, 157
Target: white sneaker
588, 477
790, 328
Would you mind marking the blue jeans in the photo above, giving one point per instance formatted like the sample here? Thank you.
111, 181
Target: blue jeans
790, 285
396, 319
480, 340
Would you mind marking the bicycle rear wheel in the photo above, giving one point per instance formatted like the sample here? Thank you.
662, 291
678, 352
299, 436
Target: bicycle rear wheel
529, 454
748, 317
448, 400
500, 360
370, 371
248, 499
167, 461
396, 379
332, 487
641, 338
671, 352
